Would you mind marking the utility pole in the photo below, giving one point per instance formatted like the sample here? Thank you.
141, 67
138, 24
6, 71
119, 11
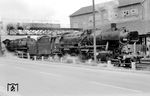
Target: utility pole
94, 37
0, 37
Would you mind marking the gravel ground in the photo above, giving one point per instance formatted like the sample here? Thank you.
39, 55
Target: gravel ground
139, 67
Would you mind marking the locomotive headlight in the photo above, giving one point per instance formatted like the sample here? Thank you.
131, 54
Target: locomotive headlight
125, 39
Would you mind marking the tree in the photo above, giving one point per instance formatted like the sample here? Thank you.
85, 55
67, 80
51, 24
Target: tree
10, 27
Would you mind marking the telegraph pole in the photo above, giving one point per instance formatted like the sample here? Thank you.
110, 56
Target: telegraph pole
94, 37
0, 36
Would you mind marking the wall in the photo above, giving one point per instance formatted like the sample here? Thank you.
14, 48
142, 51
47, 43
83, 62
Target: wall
138, 25
146, 6
102, 17
84, 21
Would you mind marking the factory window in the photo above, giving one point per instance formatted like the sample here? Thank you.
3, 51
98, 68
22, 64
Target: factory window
125, 13
116, 15
134, 11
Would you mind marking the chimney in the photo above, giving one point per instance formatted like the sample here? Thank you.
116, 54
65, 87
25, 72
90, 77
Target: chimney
113, 26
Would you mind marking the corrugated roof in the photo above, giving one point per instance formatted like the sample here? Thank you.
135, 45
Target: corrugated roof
83, 10
88, 9
129, 2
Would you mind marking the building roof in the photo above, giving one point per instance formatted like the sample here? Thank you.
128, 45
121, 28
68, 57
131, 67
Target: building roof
83, 10
129, 2
89, 9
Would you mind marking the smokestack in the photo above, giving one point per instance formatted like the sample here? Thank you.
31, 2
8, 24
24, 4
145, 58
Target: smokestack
113, 26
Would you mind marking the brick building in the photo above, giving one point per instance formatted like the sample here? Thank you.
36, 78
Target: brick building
132, 14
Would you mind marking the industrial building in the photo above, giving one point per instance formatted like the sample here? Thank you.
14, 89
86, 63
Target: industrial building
132, 14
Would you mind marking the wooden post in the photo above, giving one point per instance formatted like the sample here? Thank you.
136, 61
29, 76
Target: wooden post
74, 61
134, 48
22, 55
133, 65
61, 59
149, 50
109, 65
42, 58
100, 60
35, 58
50, 58
28, 56
0, 44
17, 54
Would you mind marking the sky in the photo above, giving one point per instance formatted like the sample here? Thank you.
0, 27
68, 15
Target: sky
53, 11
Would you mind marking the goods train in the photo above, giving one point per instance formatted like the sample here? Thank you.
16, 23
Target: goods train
109, 43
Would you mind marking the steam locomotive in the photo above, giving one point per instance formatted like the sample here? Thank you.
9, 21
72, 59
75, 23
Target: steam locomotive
109, 43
